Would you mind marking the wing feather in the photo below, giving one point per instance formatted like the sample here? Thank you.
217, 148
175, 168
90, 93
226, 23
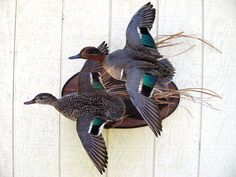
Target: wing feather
146, 106
136, 43
94, 145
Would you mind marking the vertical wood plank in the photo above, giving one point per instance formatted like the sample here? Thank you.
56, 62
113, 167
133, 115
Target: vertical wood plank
177, 149
218, 149
7, 14
37, 70
130, 150
85, 24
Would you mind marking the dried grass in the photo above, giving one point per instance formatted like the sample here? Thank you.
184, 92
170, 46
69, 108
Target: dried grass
187, 94
166, 95
167, 41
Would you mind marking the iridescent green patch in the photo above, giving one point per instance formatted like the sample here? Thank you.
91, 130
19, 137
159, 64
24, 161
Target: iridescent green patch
98, 85
96, 126
148, 41
149, 80
97, 121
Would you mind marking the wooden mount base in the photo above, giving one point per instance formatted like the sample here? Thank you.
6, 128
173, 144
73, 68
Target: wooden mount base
165, 109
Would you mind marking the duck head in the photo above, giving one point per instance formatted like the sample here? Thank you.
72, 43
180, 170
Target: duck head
90, 53
43, 98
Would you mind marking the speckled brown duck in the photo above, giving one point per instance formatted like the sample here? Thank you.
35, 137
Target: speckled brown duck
92, 108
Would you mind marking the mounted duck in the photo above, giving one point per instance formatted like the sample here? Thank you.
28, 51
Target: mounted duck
92, 107
139, 64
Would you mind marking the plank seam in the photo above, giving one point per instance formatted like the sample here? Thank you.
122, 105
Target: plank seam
202, 85
60, 82
109, 44
154, 138
13, 93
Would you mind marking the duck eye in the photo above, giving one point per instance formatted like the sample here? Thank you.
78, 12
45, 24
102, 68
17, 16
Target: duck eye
42, 98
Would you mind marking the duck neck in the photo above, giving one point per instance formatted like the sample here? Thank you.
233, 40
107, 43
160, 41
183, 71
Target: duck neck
54, 102
99, 58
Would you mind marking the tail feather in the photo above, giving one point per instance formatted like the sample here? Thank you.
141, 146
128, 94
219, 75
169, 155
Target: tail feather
166, 69
149, 110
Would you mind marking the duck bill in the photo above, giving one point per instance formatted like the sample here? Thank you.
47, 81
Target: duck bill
30, 102
75, 57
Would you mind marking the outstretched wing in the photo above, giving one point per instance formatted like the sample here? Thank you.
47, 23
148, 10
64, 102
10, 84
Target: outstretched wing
93, 144
146, 106
139, 42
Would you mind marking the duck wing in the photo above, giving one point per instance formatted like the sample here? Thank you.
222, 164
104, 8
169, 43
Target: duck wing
91, 65
90, 81
146, 106
103, 47
109, 82
140, 44
93, 143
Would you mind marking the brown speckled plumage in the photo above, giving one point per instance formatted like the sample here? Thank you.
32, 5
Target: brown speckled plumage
94, 103
87, 107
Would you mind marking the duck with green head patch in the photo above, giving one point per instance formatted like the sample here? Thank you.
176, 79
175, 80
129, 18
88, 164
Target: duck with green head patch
139, 64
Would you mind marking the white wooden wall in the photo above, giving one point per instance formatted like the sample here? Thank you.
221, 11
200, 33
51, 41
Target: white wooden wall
36, 38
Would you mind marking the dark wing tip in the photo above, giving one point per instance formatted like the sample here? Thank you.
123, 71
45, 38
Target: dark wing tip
94, 145
103, 48
150, 113
147, 13
147, 4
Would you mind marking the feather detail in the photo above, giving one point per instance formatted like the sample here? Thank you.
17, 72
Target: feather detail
103, 48
143, 18
148, 84
142, 46
96, 126
147, 14
149, 110
166, 71
147, 39
94, 145
146, 106
96, 81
